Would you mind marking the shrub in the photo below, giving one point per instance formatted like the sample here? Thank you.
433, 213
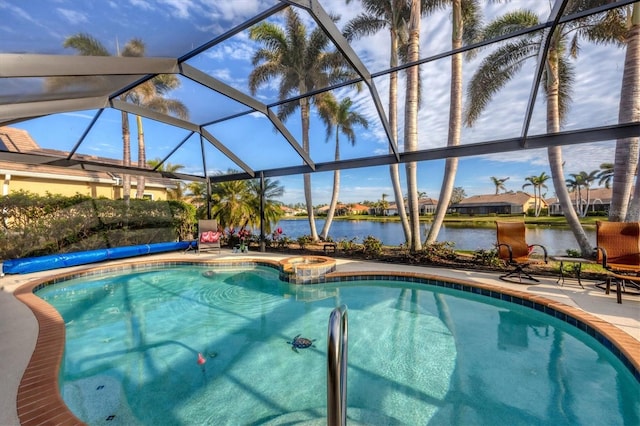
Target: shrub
440, 250
372, 246
573, 253
486, 257
304, 240
34, 225
348, 246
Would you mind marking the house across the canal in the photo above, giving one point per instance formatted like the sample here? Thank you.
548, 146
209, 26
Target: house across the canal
507, 203
593, 200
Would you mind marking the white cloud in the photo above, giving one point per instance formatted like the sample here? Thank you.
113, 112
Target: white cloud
180, 8
142, 4
238, 9
231, 49
17, 11
73, 16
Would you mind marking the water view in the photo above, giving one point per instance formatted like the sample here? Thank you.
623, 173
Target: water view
556, 239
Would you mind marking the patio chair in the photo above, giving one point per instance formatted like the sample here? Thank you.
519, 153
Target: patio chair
514, 251
618, 250
208, 235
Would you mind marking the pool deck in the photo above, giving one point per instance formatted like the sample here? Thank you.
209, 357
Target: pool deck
19, 327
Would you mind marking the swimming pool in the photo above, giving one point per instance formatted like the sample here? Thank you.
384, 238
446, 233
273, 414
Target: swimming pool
417, 353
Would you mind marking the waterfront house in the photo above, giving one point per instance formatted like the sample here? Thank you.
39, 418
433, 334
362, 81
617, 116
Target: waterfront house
508, 203
427, 205
344, 209
599, 200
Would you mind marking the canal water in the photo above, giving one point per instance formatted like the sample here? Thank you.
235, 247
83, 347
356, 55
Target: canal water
556, 239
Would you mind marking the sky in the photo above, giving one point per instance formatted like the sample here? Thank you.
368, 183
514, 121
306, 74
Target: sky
170, 28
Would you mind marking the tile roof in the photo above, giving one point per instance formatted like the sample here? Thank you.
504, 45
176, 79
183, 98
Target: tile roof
518, 198
17, 140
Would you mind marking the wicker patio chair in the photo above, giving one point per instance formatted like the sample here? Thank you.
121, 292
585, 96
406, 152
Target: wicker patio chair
514, 251
618, 250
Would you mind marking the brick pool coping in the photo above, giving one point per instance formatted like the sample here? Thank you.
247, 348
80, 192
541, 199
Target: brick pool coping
39, 400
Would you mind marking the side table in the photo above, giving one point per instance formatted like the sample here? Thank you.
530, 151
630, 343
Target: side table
578, 261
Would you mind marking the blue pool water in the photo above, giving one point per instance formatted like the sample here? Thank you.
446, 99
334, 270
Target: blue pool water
417, 354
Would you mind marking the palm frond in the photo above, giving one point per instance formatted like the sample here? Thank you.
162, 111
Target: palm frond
285, 110
262, 74
509, 23
609, 27
134, 48
574, 46
86, 45
494, 72
269, 35
472, 18
327, 105
380, 7
364, 25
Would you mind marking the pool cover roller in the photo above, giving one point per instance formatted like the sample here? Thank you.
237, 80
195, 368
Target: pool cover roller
54, 261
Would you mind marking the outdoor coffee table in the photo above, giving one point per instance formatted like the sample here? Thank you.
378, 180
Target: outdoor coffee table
578, 261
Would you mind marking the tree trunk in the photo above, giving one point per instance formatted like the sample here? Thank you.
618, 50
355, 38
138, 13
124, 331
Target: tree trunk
393, 124
555, 155
411, 125
142, 160
630, 108
334, 195
126, 157
304, 112
455, 122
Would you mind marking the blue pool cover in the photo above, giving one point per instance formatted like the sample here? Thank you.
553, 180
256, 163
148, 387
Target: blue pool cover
54, 261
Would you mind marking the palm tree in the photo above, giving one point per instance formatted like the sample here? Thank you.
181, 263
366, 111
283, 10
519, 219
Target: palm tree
391, 14
272, 208
172, 194
87, 45
588, 179
500, 66
537, 182
576, 184
236, 204
411, 124
465, 22
627, 150
499, 184
232, 203
303, 64
605, 175
150, 94
338, 117
198, 196
383, 204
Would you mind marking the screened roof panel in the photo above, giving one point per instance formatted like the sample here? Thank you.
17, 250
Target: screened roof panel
596, 84
256, 140
31, 89
160, 139
168, 29
496, 91
62, 131
207, 45
202, 104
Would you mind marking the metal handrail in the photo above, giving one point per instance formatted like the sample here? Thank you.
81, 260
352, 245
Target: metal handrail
337, 367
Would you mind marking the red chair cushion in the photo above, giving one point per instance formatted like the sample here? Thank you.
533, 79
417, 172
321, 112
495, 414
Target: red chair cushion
209, 237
